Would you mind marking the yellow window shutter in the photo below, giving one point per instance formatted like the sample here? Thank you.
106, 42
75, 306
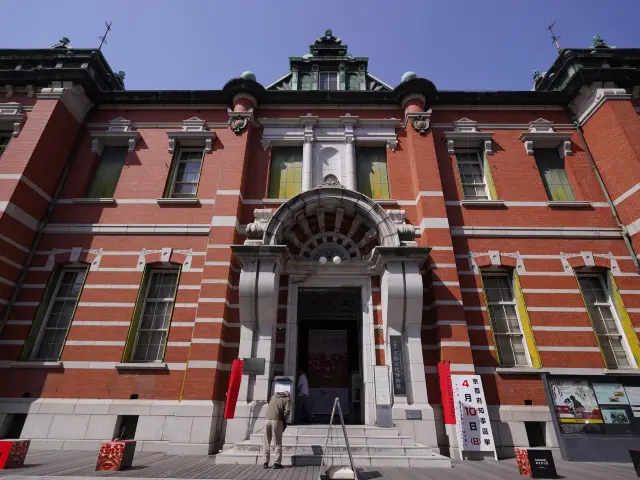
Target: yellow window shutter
527, 331
493, 194
625, 322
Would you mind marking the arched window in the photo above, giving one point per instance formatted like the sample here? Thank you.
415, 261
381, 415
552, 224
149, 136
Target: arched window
353, 82
306, 81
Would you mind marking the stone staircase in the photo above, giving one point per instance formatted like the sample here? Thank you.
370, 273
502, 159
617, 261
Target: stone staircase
370, 446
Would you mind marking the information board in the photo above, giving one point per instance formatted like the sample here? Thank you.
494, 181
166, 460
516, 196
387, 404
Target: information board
472, 416
397, 365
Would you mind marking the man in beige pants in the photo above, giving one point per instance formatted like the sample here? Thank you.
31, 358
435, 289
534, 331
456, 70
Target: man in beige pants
277, 412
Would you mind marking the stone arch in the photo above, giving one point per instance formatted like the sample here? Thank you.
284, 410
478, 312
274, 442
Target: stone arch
376, 227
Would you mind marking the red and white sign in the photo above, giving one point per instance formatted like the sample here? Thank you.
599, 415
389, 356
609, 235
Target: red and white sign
237, 366
472, 415
446, 392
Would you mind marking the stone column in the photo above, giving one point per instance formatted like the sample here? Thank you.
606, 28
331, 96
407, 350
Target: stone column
352, 183
402, 301
349, 122
258, 297
307, 152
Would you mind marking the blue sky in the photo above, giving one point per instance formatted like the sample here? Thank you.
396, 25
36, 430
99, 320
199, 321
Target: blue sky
199, 44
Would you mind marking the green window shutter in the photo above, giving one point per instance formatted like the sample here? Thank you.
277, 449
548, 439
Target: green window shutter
554, 175
371, 172
108, 172
285, 177
137, 313
306, 81
353, 82
41, 313
625, 322
527, 331
493, 193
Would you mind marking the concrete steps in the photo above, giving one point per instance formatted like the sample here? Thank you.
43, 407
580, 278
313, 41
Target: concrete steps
370, 446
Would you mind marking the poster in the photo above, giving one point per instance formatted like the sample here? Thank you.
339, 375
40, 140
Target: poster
328, 370
615, 415
610, 393
472, 415
633, 395
574, 401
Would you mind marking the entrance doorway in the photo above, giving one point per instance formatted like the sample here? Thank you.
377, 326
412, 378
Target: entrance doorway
330, 351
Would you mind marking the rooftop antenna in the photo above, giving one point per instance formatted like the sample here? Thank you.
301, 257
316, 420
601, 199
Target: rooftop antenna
103, 38
554, 38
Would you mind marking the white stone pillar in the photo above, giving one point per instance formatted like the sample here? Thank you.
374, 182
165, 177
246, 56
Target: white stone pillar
307, 163
413, 358
258, 302
392, 289
350, 158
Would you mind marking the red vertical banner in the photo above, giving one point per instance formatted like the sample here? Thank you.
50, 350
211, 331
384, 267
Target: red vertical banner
446, 390
237, 366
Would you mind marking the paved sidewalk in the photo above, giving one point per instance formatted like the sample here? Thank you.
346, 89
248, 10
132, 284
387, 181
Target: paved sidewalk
79, 465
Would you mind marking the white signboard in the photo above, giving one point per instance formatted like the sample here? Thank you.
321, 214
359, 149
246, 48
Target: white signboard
472, 415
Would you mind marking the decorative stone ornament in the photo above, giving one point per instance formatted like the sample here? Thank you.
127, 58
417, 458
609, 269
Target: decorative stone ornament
255, 230
238, 121
466, 135
193, 134
542, 135
330, 181
11, 117
119, 133
420, 123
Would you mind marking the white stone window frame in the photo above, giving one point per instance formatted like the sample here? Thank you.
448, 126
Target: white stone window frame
541, 134
11, 118
119, 133
606, 287
194, 133
466, 136
480, 161
501, 272
54, 298
174, 175
172, 300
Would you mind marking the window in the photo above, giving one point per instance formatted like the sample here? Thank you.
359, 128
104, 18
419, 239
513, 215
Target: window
328, 81
186, 173
59, 314
285, 178
108, 172
504, 318
371, 170
472, 176
4, 141
601, 312
553, 174
155, 315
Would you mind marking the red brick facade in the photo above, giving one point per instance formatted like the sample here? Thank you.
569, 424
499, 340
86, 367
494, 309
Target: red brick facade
50, 164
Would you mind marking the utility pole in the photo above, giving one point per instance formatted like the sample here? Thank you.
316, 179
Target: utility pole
103, 38
554, 38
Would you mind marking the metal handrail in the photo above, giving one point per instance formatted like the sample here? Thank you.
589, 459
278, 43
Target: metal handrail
336, 403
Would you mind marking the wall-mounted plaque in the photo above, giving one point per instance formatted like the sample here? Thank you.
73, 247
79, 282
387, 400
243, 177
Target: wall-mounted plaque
397, 365
253, 366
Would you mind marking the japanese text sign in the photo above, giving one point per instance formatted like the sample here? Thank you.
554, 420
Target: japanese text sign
472, 415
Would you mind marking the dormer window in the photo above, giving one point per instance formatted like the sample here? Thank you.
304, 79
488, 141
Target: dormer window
328, 81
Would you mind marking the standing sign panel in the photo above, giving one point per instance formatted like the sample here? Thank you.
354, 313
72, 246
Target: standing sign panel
472, 415
446, 391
